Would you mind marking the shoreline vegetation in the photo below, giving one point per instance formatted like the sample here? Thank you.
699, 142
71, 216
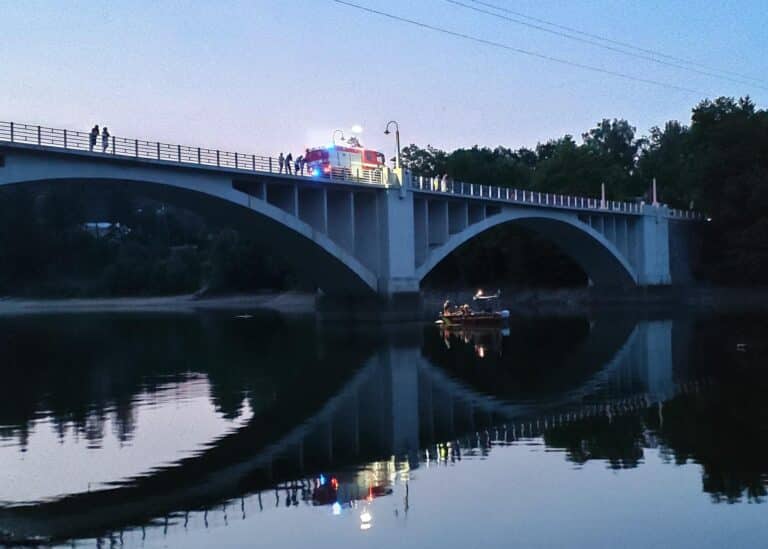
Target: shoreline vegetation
283, 302
73, 240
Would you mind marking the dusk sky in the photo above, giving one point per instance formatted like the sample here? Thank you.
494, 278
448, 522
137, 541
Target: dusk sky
274, 75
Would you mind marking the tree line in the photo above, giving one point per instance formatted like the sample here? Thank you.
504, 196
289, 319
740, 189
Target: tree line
142, 247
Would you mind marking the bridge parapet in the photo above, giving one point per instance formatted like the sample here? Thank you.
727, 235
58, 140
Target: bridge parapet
140, 149
441, 186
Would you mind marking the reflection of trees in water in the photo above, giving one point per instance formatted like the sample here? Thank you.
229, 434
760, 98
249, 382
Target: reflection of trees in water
617, 440
715, 430
80, 371
725, 430
726, 433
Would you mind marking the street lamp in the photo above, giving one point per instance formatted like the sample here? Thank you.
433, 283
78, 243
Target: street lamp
333, 138
397, 141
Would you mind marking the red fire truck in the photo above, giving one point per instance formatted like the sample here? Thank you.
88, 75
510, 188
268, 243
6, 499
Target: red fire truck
350, 161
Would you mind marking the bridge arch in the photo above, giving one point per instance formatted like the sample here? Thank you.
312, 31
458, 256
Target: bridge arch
599, 257
332, 267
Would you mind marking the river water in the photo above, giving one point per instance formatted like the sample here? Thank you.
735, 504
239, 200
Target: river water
231, 430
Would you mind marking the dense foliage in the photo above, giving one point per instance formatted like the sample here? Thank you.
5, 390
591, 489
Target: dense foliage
142, 248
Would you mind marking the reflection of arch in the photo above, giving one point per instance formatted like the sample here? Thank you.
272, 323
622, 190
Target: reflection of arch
608, 349
390, 395
219, 472
598, 256
583, 356
332, 267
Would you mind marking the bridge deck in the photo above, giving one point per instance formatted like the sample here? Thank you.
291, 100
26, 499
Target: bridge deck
77, 142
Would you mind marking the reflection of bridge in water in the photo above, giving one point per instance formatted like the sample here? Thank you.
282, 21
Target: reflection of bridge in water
399, 405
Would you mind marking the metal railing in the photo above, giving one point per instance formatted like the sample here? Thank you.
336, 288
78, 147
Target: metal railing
27, 134
42, 136
685, 214
528, 197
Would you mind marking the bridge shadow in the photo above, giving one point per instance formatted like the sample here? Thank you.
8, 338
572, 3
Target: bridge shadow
369, 397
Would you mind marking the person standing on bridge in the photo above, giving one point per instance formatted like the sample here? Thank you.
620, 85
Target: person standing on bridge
298, 167
288, 162
94, 135
280, 162
104, 139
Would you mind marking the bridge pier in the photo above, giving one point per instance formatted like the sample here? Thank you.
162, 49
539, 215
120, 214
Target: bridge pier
399, 231
651, 249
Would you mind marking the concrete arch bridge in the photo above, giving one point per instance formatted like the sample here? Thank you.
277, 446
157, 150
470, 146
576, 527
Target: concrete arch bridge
358, 234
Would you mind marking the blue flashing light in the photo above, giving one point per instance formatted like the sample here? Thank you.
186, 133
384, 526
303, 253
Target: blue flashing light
323, 480
316, 172
331, 147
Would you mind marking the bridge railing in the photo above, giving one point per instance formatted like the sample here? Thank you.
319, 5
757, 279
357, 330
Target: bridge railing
685, 214
521, 196
41, 136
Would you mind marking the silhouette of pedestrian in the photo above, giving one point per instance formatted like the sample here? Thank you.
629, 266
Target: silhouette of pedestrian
280, 162
94, 135
104, 139
298, 165
288, 162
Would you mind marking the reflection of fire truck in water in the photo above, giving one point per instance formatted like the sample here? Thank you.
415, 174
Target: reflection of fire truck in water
350, 161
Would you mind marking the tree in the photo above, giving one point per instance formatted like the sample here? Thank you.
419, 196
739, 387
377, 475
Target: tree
613, 144
668, 159
429, 162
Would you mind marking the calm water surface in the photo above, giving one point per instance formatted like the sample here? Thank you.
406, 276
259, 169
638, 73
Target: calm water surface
260, 431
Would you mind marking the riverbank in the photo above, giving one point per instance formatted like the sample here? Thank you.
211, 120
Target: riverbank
284, 302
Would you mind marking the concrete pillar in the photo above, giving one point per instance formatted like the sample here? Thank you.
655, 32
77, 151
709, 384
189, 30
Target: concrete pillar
285, 197
620, 230
458, 216
476, 212
402, 231
312, 208
367, 233
438, 222
651, 246
340, 216
420, 223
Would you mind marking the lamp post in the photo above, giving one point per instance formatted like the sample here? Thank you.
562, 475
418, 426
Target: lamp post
397, 141
333, 138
